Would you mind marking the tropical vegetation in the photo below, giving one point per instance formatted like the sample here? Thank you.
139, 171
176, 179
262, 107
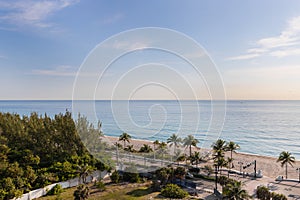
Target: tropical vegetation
37, 150
286, 158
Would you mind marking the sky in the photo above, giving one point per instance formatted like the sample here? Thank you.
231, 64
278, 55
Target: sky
254, 45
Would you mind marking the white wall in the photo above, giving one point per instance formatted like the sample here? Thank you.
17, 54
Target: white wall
66, 184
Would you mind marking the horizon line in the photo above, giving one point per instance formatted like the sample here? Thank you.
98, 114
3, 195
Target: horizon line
150, 100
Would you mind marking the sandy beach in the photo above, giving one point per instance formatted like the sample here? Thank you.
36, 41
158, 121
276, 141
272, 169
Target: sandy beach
267, 165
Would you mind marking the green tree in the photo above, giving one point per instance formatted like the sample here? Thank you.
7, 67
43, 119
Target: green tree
219, 145
220, 163
90, 136
162, 149
174, 140
232, 147
125, 137
180, 173
234, 191
164, 175
195, 158
286, 158
174, 192
190, 141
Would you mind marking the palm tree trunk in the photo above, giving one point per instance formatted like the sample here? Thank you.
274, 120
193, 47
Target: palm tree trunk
174, 150
154, 151
230, 164
190, 150
286, 171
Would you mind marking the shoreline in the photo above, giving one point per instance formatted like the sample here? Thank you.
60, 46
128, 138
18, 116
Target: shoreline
266, 164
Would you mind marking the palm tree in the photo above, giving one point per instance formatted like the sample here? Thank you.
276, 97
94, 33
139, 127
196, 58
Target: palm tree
286, 158
125, 137
196, 158
219, 148
220, 162
219, 145
174, 140
162, 148
181, 158
156, 142
190, 141
232, 146
130, 148
234, 191
145, 149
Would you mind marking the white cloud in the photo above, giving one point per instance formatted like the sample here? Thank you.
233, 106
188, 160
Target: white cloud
63, 70
286, 52
287, 43
30, 12
243, 57
128, 45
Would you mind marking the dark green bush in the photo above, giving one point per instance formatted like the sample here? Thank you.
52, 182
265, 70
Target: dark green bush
210, 178
57, 189
131, 177
263, 193
100, 185
276, 196
115, 177
174, 191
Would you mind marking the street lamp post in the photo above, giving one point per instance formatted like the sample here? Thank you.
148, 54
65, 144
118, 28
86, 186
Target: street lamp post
254, 168
241, 164
298, 169
117, 148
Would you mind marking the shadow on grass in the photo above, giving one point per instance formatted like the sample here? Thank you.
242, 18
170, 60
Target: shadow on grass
140, 192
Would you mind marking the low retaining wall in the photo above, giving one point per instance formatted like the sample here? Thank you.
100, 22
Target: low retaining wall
65, 184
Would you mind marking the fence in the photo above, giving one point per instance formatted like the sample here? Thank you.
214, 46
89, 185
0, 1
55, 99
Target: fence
65, 184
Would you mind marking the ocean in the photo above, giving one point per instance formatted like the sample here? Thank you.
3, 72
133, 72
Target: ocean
259, 127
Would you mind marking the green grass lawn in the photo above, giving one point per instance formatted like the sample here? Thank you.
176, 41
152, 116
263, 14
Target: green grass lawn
119, 192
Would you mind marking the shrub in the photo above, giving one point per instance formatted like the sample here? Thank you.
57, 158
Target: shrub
174, 191
81, 193
100, 185
131, 174
115, 177
57, 189
276, 196
131, 177
263, 193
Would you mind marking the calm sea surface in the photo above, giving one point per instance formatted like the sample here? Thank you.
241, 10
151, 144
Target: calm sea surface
259, 127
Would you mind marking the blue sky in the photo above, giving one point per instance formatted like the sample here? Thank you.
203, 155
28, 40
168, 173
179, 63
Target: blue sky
254, 44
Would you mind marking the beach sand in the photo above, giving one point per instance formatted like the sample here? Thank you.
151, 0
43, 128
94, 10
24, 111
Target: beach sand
268, 165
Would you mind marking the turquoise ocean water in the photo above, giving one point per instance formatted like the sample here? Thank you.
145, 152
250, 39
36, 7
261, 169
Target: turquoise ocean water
259, 127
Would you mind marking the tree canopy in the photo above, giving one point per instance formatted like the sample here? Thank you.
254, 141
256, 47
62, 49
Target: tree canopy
37, 150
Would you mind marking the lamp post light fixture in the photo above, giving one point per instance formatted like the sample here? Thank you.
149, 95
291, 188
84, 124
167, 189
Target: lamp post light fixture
298, 169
